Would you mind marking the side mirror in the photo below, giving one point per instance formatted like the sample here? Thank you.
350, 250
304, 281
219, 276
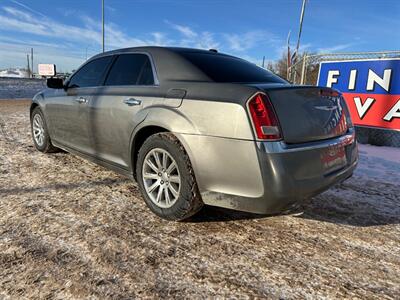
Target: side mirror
55, 83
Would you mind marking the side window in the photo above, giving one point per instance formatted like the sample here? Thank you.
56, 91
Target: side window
147, 77
91, 74
130, 69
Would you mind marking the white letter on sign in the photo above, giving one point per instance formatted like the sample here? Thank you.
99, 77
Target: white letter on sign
352, 79
394, 112
331, 79
363, 108
383, 82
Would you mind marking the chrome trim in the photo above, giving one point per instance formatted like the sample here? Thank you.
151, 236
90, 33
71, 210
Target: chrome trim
282, 147
132, 101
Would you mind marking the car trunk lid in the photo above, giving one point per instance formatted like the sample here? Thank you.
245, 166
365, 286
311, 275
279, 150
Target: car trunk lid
308, 113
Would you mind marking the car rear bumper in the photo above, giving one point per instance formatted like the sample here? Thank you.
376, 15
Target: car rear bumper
289, 174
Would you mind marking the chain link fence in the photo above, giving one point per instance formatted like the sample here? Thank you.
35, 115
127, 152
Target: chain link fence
306, 70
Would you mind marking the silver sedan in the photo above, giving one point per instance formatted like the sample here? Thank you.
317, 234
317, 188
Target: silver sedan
197, 127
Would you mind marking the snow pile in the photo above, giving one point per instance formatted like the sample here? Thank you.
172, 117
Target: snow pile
14, 73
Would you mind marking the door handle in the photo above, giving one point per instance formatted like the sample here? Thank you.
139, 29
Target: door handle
81, 100
132, 101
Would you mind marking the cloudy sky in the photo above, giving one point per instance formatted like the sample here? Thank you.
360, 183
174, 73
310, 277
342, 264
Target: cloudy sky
64, 32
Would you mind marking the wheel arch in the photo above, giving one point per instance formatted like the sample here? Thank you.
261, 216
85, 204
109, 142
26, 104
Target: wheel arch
37, 101
139, 138
158, 119
32, 107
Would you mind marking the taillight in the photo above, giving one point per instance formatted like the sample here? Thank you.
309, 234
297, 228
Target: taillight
264, 119
328, 93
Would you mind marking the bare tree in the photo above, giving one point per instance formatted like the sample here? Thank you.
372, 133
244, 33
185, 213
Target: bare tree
279, 67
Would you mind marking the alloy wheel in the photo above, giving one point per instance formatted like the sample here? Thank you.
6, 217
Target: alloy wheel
38, 129
161, 178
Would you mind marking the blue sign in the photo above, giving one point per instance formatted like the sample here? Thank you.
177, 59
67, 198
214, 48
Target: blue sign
371, 89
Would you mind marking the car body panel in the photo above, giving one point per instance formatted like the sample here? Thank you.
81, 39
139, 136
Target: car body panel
111, 121
224, 165
221, 119
68, 118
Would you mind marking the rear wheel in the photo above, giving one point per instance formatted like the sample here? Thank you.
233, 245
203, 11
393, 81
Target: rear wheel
166, 178
40, 134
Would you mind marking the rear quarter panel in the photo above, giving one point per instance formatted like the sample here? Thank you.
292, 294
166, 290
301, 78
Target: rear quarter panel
217, 109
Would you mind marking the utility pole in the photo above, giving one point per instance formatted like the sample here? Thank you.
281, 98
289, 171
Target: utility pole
296, 53
29, 70
263, 63
102, 18
289, 61
32, 61
303, 8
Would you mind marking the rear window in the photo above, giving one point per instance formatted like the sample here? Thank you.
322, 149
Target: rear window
221, 68
131, 69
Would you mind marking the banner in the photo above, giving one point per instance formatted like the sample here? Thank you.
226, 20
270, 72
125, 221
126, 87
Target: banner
371, 89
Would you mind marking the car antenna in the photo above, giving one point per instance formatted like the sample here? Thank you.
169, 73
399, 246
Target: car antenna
213, 50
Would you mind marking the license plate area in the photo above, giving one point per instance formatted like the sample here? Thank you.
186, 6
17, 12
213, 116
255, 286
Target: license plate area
333, 158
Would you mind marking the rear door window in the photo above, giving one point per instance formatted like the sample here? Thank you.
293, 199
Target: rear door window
91, 74
131, 69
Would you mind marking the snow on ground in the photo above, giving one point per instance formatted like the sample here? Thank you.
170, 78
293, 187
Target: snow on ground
70, 229
379, 163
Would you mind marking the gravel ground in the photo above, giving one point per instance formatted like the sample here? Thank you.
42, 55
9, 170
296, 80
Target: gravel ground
71, 229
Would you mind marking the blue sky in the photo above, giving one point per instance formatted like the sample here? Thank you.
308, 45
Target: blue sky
62, 31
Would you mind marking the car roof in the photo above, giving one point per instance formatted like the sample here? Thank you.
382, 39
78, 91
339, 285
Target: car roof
160, 49
168, 62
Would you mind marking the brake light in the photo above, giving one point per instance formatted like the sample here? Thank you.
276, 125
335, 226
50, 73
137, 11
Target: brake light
264, 119
328, 93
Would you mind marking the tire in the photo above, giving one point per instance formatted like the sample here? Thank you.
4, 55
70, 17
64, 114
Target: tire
43, 144
188, 200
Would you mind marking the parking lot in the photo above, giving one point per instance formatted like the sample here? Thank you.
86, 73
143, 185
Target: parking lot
71, 229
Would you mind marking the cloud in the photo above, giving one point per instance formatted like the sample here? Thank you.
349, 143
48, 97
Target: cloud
335, 48
110, 8
90, 32
21, 21
233, 42
86, 34
247, 40
160, 39
191, 38
207, 41
186, 31
27, 7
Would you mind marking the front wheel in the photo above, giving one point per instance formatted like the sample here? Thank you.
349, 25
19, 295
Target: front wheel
166, 178
40, 133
